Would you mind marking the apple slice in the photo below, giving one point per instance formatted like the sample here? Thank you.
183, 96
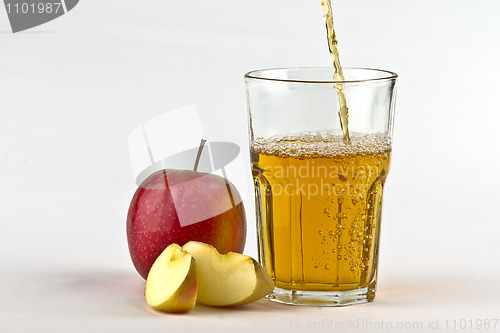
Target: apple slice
171, 284
230, 279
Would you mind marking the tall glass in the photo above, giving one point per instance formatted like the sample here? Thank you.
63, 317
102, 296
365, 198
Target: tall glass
318, 195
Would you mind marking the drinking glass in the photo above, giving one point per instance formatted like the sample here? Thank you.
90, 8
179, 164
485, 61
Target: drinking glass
318, 193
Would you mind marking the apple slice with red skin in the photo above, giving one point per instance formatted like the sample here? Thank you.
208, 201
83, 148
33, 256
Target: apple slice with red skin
172, 284
228, 280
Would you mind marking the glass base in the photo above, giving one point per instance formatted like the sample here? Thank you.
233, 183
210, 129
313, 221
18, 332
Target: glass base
322, 298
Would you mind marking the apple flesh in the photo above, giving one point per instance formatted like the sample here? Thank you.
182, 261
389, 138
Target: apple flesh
177, 206
171, 284
227, 280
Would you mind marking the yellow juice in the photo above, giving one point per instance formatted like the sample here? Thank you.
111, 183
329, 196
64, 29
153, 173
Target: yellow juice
319, 208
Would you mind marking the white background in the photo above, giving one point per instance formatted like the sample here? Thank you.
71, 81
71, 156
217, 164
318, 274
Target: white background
73, 89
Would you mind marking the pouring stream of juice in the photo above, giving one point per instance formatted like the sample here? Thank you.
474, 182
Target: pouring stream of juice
338, 75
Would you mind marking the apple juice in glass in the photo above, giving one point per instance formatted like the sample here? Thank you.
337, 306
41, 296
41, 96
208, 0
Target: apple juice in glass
319, 196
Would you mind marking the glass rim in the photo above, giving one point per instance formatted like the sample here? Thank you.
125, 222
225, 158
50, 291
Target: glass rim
251, 75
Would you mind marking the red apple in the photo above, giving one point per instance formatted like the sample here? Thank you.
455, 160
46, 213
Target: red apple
178, 206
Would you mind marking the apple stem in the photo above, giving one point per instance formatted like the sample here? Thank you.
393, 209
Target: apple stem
148, 146
200, 149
